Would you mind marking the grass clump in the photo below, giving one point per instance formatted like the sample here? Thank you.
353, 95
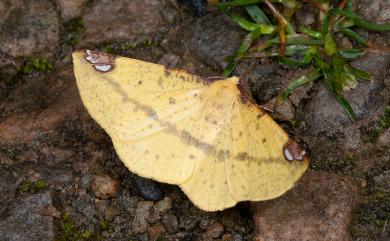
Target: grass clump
336, 165
69, 233
32, 187
296, 46
73, 27
372, 133
38, 65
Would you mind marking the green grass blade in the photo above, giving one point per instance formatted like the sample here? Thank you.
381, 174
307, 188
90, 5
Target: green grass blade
314, 74
352, 53
355, 36
257, 14
371, 26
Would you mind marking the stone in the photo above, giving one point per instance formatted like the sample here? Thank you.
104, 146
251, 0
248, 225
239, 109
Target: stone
27, 219
160, 208
123, 21
28, 29
109, 212
71, 8
171, 223
210, 42
319, 207
215, 230
281, 110
156, 231
377, 11
84, 205
104, 186
324, 115
231, 237
142, 212
163, 206
148, 188
26, 115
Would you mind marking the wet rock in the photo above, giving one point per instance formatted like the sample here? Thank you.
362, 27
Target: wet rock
148, 188
40, 106
27, 219
104, 186
142, 212
28, 28
155, 231
324, 115
215, 230
320, 207
210, 42
171, 223
71, 8
122, 21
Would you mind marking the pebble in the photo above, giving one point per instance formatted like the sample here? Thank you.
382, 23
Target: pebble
104, 186
171, 223
142, 212
156, 230
163, 206
231, 237
108, 210
148, 188
215, 230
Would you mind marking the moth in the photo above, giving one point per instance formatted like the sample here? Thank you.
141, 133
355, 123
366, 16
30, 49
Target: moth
219, 147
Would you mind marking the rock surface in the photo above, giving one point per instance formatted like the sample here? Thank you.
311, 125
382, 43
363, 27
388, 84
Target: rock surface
20, 22
26, 114
210, 43
138, 21
28, 219
71, 8
320, 207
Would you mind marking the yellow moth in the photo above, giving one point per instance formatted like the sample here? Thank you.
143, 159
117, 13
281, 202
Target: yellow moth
177, 128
